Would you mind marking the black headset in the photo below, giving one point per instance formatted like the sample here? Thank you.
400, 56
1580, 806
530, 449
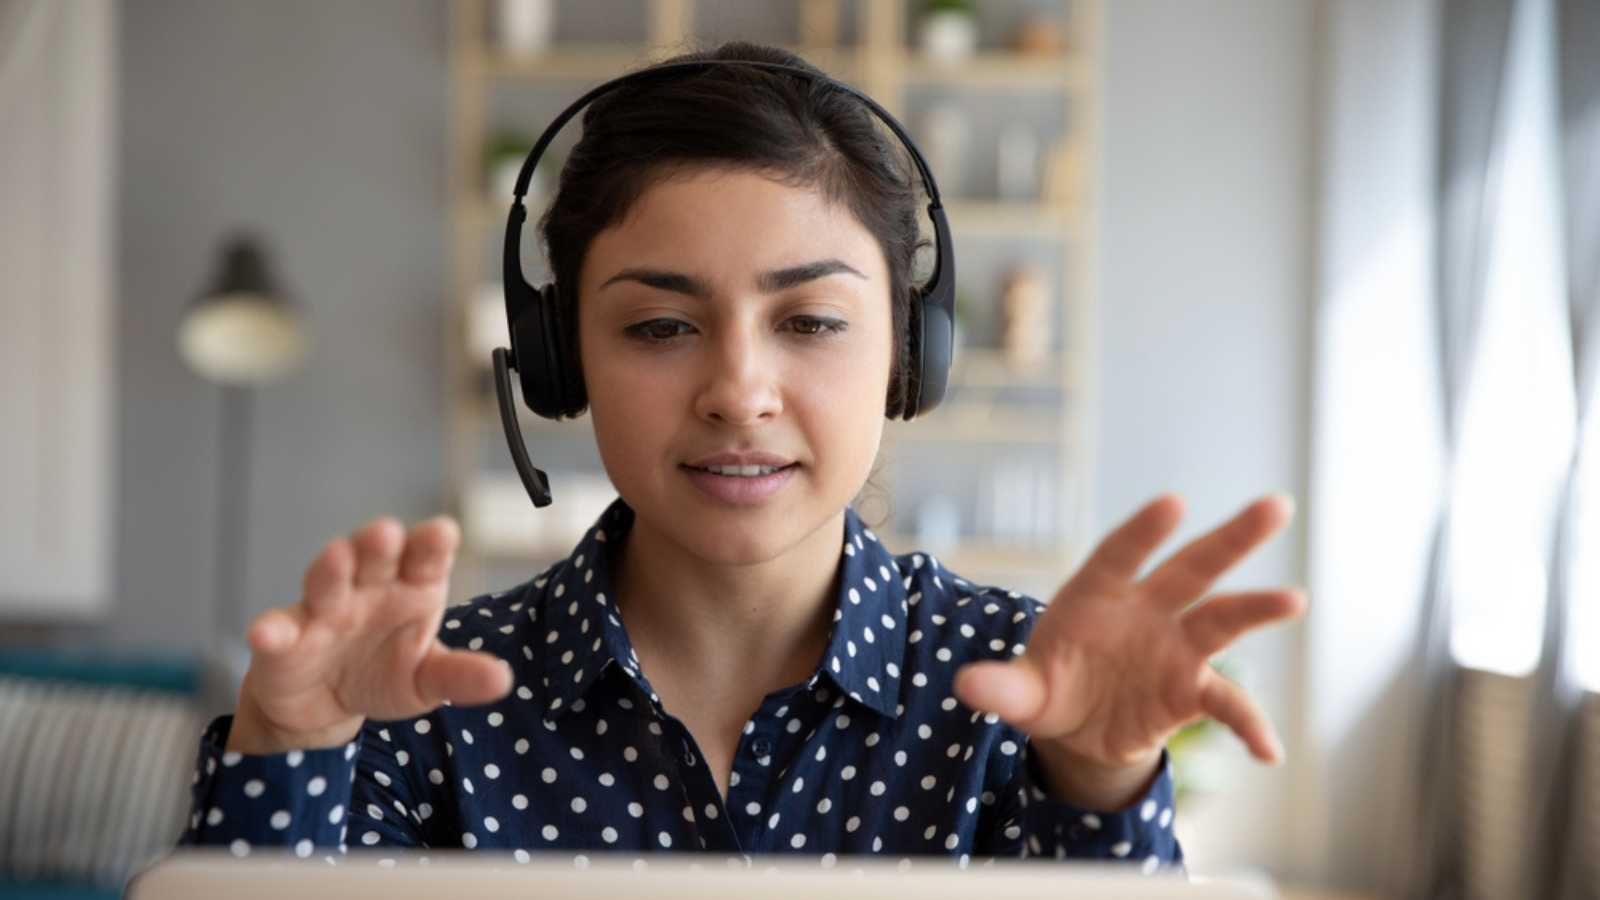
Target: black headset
552, 385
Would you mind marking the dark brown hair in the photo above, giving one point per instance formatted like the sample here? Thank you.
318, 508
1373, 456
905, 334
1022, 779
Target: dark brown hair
798, 131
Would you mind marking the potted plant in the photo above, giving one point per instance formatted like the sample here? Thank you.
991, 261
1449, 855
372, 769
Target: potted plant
948, 30
1193, 768
503, 157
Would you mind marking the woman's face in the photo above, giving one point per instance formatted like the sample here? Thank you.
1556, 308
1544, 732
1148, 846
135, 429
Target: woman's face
732, 316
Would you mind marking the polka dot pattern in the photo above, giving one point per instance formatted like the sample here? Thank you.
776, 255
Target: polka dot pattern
872, 754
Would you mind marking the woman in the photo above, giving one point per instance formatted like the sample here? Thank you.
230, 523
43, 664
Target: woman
734, 251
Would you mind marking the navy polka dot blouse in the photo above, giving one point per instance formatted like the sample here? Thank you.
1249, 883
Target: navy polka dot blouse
870, 755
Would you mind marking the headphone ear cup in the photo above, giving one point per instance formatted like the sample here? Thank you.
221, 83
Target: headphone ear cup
566, 367
537, 360
933, 336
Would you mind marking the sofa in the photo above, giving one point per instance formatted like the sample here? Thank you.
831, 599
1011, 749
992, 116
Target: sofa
97, 751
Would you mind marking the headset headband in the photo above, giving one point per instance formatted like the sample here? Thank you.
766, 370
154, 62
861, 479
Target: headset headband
661, 71
940, 285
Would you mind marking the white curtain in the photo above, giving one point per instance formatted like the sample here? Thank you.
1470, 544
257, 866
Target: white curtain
1455, 524
1511, 585
57, 306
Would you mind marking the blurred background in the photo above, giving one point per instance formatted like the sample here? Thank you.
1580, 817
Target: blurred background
1348, 250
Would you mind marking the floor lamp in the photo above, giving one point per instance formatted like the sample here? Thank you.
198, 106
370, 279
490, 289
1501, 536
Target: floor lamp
240, 332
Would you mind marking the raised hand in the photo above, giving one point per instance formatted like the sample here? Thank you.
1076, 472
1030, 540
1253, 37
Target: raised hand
1116, 664
360, 643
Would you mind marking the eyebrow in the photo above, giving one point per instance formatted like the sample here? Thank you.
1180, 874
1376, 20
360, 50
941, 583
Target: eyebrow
769, 282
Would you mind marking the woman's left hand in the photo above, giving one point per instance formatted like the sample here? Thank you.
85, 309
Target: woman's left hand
1116, 664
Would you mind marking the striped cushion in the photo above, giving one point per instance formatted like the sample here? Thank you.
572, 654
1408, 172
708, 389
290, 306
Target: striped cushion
93, 780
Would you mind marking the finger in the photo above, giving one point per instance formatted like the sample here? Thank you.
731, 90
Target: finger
1118, 557
1220, 620
378, 545
325, 590
1191, 571
464, 677
430, 550
1015, 690
1229, 704
274, 631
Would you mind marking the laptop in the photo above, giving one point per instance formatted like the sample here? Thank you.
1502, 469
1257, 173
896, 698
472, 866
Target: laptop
196, 873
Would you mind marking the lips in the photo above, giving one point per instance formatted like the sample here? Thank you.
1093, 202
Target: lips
742, 490
742, 458
740, 471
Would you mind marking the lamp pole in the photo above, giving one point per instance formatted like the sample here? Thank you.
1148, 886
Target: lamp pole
233, 499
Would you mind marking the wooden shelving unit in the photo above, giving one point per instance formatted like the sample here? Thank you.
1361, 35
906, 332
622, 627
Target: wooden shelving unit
880, 62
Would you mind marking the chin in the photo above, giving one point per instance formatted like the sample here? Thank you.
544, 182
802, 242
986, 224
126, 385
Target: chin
730, 535
735, 536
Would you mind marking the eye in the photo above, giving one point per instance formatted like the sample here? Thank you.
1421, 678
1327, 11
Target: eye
657, 330
817, 326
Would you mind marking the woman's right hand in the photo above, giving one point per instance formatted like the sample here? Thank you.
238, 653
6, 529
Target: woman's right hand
360, 644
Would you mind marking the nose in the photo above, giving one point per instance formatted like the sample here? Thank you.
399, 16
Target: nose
742, 380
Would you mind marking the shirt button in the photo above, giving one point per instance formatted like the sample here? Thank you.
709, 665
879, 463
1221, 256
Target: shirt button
761, 747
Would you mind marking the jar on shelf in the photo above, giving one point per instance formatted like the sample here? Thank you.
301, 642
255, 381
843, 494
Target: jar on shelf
944, 144
1025, 320
1017, 164
524, 27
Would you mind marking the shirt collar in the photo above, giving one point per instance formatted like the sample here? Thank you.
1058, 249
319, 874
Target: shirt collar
583, 634
867, 647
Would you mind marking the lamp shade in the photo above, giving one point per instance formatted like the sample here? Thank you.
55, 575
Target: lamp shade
242, 329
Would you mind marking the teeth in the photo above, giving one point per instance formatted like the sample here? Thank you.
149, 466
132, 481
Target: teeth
742, 471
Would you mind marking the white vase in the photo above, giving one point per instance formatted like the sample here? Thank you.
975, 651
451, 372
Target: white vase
503, 185
1017, 164
947, 36
503, 179
945, 128
524, 26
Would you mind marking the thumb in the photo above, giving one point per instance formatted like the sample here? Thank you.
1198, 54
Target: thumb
1015, 689
464, 677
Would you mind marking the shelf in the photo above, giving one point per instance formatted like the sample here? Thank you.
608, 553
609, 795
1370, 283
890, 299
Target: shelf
599, 62
999, 69
1013, 219
974, 423
977, 559
1046, 417
986, 367
573, 61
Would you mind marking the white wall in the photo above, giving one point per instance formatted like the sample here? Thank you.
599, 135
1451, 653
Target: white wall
1205, 300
